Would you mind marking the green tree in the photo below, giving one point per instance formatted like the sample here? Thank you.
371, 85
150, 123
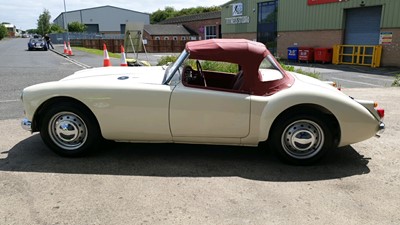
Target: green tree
55, 28
76, 27
32, 31
161, 15
3, 31
170, 12
43, 23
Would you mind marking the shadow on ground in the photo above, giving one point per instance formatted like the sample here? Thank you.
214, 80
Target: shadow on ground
181, 160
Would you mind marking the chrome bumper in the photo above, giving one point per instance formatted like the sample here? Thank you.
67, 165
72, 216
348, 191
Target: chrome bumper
381, 129
26, 124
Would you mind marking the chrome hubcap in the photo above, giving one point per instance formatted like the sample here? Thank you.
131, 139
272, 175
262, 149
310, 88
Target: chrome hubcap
67, 130
302, 139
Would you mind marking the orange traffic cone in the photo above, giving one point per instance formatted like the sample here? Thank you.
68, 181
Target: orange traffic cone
106, 57
65, 48
69, 49
123, 57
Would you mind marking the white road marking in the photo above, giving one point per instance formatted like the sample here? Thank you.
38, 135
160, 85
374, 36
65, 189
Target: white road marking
84, 66
5, 101
357, 82
376, 78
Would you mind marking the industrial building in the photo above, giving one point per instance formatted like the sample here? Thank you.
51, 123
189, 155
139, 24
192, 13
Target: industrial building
281, 24
104, 19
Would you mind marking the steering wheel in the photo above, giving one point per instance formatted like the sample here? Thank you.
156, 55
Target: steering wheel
201, 72
187, 74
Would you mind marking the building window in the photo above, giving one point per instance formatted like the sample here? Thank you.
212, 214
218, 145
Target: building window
210, 32
175, 38
183, 38
166, 38
267, 24
157, 38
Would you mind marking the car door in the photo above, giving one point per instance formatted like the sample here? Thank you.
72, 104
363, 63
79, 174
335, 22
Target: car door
134, 114
205, 113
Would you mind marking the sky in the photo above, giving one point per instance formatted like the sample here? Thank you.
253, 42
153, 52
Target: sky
24, 13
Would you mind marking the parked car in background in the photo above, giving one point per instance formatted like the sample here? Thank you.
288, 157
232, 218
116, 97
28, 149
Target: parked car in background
37, 43
301, 118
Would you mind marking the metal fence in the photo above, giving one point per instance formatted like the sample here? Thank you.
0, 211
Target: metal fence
114, 41
75, 37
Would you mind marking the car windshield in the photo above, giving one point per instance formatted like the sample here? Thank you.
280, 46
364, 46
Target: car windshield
174, 67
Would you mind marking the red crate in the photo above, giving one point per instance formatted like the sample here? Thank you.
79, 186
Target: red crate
306, 54
323, 55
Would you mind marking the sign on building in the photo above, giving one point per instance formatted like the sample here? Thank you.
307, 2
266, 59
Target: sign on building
386, 38
237, 9
237, 15
317, 2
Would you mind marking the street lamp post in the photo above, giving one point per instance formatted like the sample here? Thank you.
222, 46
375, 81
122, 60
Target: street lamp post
65, 22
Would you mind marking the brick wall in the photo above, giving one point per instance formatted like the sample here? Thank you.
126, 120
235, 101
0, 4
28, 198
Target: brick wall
198, 26
315, 39
391, 52
162, 37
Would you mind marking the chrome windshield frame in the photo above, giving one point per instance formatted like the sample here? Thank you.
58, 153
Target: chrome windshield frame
175, 66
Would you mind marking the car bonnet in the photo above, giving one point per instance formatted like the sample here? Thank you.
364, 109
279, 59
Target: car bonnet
153, 74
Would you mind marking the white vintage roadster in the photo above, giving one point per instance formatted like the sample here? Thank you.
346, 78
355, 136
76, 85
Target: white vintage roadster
300, 117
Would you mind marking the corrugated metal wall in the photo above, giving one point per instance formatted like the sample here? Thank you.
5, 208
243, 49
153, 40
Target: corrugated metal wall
391, 15
108, 18
296, 15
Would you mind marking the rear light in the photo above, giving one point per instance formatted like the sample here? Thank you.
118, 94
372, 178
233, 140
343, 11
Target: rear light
381, 112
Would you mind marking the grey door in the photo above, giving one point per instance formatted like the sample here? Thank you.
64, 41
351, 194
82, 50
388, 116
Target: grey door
363, 26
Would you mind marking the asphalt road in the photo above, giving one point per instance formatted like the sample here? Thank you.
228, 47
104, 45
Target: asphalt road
20, 68
187, 184
350, 76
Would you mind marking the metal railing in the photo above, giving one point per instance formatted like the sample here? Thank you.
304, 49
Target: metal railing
59, 38
365, 55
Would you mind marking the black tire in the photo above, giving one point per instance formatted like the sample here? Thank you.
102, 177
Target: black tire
301, 139
69, 129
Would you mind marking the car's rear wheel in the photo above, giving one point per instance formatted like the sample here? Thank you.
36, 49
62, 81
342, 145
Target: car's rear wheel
69, 129
301, 139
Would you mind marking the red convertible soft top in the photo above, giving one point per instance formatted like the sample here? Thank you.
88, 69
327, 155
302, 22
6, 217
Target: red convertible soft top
248, 54
239, 51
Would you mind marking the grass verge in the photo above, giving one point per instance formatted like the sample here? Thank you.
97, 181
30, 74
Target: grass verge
98, 52
396, 82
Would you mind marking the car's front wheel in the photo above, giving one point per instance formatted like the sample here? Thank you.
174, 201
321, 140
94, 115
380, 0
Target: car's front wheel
301, 139
69, 129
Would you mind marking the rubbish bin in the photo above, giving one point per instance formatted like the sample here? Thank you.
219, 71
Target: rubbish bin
323, 55
306, 54
293, 53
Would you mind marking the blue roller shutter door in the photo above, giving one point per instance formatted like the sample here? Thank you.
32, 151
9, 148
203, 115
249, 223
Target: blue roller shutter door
363, 26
